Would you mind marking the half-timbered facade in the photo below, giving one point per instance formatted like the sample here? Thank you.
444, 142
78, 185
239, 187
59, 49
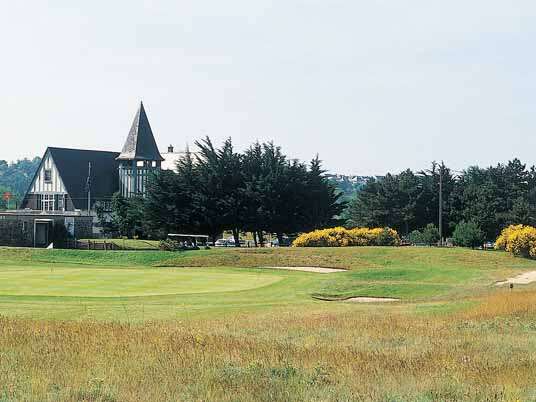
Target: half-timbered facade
78, 179
47, 189
61, 181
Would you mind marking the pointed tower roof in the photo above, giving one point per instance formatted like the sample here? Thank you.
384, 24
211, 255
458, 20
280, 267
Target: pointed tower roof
140, 144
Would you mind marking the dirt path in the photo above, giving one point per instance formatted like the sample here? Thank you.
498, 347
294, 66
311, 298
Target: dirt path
523, 279
318, 270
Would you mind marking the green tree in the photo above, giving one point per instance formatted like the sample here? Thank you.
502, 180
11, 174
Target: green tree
368, 209
17, 176
395, 201
428, 206
222, 188
416, 237
127, 215
480, 201
167, 204
468, 234
3, 203
430, 234
322, 203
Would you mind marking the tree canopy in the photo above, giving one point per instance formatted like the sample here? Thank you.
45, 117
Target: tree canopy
490, 198
217, 189
15, 178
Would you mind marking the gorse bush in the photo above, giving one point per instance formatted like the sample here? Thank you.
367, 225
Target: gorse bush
341, 237
519, 240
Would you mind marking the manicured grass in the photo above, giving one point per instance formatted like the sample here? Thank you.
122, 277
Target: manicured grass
98, 282
141, 325
136, 285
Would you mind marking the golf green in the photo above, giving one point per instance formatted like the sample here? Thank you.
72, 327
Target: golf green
126, 282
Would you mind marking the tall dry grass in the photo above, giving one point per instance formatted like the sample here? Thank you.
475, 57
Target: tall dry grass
485, 353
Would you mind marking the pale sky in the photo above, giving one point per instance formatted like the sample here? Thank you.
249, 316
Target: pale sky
372, 86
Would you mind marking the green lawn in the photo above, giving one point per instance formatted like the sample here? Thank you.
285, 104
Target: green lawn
142, 285
99, 282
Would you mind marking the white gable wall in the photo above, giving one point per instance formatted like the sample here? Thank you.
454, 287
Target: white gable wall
54, 186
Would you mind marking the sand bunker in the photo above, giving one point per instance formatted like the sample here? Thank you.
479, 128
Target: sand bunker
318, 270
522, 279
371, 299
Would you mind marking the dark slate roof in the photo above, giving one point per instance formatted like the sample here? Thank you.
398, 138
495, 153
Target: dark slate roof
72, 166
140, 144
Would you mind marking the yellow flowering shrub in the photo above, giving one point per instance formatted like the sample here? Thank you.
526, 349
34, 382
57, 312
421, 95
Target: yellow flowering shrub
518, 239
341, 237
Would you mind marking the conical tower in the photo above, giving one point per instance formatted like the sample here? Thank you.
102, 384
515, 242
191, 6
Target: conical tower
139, 157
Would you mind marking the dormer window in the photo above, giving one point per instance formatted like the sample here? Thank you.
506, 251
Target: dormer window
48, 175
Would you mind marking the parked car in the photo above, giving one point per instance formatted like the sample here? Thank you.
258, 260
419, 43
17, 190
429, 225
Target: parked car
285, 243
221, 243
230, 242
489, 245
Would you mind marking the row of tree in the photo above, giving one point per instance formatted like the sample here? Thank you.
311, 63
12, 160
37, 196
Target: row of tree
490, 198
218, 189
15, 178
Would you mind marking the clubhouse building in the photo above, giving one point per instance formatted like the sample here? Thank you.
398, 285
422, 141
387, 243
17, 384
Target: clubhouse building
70, 184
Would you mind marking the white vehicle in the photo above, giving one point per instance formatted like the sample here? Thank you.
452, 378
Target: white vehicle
221, 243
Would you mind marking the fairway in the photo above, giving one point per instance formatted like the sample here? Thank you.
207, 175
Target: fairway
141, 285
109, 282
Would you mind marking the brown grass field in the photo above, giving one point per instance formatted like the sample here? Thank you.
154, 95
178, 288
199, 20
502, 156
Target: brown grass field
480, 347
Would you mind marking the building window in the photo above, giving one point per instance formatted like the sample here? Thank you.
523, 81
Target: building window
48, 202
48, 175
61, 204
107, 206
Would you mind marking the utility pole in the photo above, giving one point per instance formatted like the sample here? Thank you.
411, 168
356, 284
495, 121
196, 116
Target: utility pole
88, 185
441, 204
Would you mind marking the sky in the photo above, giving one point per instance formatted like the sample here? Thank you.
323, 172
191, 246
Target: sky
372, 86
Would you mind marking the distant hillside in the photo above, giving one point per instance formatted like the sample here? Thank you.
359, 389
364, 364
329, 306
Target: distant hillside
15, 177
349, 185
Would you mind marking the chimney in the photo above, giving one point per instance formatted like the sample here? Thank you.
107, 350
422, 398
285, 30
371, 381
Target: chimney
170, 149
